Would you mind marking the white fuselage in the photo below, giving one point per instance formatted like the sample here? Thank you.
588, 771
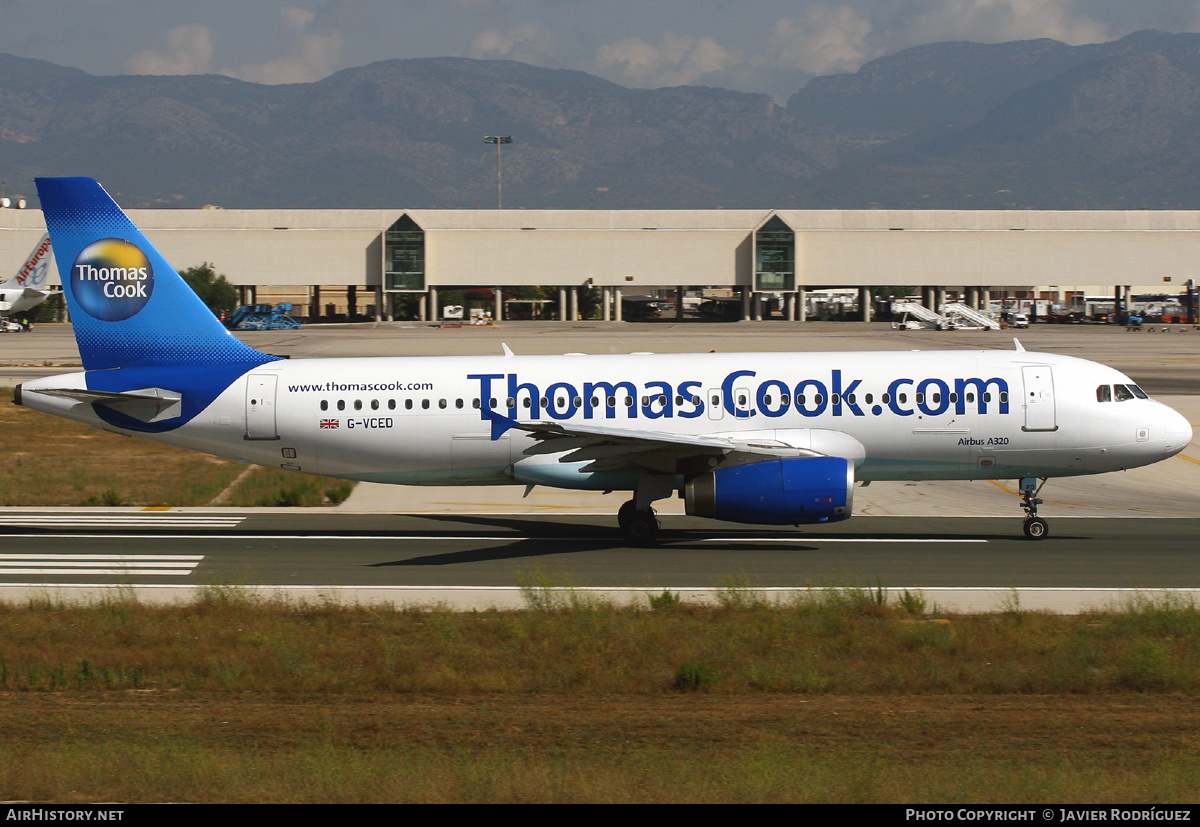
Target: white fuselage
19, 300
898, 415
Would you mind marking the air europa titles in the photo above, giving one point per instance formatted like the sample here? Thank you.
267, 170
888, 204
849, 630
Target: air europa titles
112, 279
33, 274
740, 394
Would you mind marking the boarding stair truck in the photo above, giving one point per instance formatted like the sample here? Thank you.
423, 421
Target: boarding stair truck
262, 317
916, 316
964, 317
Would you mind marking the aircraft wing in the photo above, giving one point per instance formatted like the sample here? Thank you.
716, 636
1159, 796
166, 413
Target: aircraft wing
607, 448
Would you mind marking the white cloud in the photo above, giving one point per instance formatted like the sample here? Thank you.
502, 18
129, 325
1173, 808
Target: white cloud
822, 41
296, 19
190, 51
828, 38
766, 45
312, 56
675, 60
528, 43
998, 21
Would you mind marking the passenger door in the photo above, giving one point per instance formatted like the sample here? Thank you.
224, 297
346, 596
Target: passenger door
1039, 398
260, 406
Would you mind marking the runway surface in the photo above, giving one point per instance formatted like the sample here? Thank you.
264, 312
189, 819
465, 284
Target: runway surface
484, 557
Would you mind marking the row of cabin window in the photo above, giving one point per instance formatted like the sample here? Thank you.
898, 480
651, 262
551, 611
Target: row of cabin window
742, 400
1122, 393
409, 404
868, 399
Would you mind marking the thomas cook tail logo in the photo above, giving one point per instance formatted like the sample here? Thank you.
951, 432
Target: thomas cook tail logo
112, 279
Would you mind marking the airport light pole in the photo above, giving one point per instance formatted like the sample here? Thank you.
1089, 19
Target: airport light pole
498, 140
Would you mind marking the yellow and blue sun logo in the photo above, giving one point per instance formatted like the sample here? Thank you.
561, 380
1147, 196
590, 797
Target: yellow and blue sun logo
112, 279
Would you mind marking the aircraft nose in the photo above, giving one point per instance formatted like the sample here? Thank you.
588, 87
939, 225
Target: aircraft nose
1176, 430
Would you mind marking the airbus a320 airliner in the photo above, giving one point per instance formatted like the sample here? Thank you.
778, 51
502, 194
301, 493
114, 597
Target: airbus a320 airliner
767, 438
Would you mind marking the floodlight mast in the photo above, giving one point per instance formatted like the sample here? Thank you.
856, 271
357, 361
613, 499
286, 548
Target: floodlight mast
498, 140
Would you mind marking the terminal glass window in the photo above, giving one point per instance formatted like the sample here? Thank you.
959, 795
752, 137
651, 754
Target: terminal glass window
404, 256
775, 256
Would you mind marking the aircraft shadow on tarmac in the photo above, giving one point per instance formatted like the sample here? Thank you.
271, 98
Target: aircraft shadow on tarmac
531, 538
539, 538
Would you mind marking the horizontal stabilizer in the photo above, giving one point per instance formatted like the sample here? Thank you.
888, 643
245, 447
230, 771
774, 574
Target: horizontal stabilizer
147, 404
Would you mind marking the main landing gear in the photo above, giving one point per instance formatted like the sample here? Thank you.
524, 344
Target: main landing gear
1035, 527
639, 527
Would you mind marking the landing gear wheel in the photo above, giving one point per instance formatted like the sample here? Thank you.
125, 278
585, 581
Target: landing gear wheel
1036, 528
625, 514
640, 528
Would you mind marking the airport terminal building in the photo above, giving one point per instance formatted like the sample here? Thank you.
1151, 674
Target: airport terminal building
373, 261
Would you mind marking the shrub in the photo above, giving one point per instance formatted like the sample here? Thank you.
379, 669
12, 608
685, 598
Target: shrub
694, 675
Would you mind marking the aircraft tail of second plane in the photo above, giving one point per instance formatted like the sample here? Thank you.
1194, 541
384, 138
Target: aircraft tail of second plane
32, 274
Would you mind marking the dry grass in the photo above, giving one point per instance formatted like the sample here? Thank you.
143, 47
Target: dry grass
833, 700
49, 461
203, 747
231, 642
276, 487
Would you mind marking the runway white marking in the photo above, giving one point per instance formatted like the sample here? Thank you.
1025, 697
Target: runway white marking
271, 537
171, 565
392, 538
836, 540
120, 521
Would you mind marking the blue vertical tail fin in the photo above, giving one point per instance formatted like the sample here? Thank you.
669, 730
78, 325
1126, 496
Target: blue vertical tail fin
130, 308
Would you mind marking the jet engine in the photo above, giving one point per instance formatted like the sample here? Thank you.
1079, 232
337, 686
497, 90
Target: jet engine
785, 491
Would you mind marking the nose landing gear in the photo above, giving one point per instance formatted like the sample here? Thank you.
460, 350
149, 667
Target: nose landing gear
1035, 527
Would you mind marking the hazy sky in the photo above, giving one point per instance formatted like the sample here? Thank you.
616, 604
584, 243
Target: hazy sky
770, 46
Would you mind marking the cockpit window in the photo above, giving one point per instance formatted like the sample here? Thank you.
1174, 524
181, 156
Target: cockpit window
1123, 393
1138, 392
1104, 393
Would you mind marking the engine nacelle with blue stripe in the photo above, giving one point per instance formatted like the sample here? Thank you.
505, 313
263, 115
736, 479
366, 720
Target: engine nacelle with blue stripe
788, 491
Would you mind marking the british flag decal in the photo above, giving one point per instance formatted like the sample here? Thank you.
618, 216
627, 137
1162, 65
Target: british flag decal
329, 423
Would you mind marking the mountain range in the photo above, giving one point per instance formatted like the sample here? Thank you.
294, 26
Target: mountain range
1024, 125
